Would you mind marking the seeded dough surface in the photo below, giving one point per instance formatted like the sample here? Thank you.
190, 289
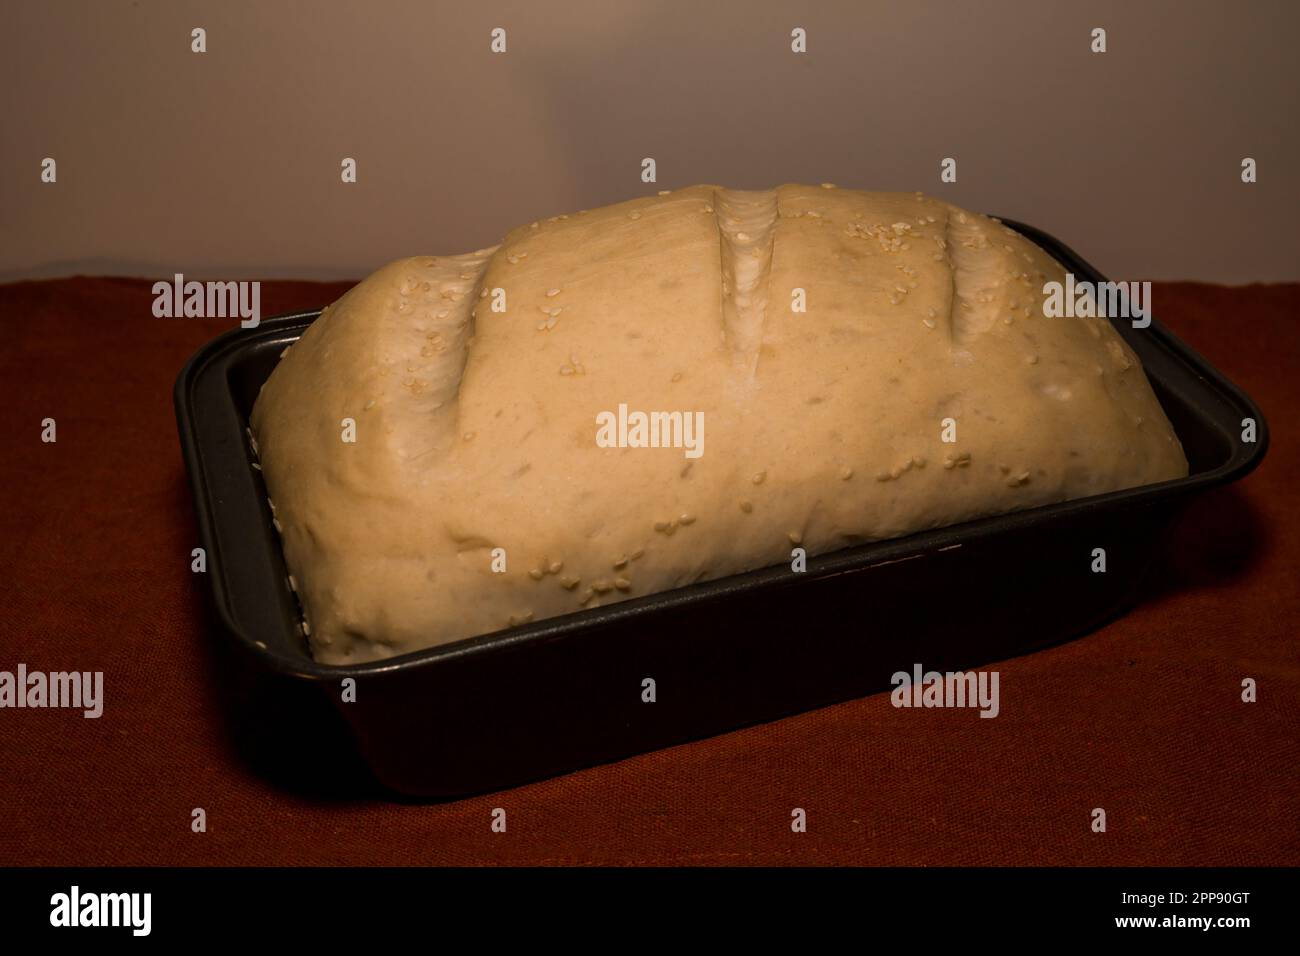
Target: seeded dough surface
476, 430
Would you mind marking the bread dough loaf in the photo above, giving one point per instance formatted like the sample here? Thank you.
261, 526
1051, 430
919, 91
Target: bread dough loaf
475, 430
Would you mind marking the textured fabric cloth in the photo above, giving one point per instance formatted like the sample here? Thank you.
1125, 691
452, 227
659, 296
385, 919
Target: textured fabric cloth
1143, 717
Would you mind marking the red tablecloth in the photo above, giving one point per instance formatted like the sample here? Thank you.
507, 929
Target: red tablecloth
1143, 718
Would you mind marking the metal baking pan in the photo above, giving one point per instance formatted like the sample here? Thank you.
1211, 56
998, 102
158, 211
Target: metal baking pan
549, 697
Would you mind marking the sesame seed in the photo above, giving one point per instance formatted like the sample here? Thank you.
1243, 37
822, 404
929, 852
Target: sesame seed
664, 192
828, 185
759, 477
552, 292
846, 473
795, 537
623, 584
621, 563
535, 574
634, 215
687, 519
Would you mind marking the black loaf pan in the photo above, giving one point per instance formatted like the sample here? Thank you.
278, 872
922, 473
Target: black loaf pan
549, 697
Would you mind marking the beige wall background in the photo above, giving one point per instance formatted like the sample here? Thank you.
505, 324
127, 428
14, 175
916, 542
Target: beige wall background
226, 164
